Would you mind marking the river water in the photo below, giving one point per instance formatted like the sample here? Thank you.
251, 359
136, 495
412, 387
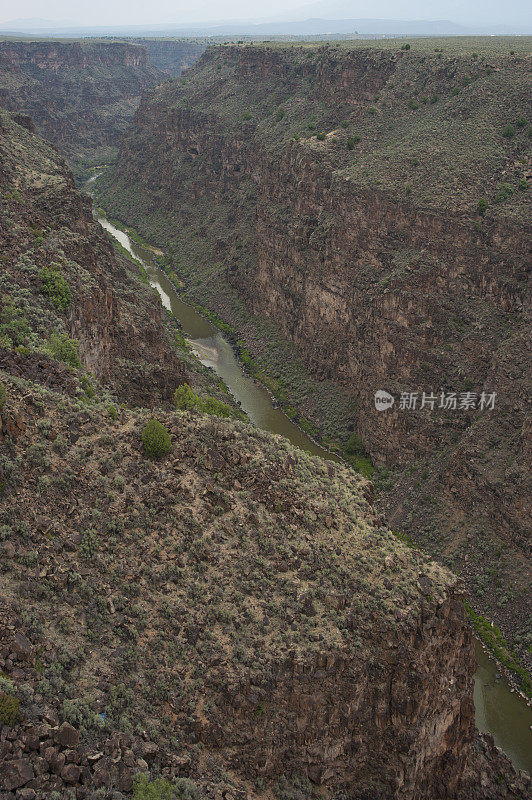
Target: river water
498, 710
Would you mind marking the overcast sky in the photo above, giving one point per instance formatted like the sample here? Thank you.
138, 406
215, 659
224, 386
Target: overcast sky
133, 12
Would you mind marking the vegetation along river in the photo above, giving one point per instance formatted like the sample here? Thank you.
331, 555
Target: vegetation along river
498, 710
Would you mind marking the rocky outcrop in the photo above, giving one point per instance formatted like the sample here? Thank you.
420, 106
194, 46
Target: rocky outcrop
299, 637
232, 617
325, 183
80, 95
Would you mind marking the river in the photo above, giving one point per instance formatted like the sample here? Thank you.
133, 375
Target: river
497, 709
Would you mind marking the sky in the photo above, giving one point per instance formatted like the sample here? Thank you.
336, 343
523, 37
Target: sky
133, 12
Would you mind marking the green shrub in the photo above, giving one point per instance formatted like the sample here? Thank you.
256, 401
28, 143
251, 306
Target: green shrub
320, 137
3, 395
65, 349
521, 122
508, 131
216, 408
187, 400
405, 47
113, 413
9, 710
81, 714
353, 140
413, 105
312, 126
523, 187
482, 205
161, 789
54, 286
87, 386
355, 446
355, 454
89, 544
156, 439
14, 327
434, 99
506, 190
493, 639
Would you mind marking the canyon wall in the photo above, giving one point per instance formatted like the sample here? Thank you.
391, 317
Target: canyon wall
80, 95
230, 618
173, 55
335, 191
61, 275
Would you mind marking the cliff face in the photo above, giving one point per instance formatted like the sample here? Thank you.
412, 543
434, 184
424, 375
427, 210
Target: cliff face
232, 618
239, 602
81, 96
173, 55
60, 275
336, 192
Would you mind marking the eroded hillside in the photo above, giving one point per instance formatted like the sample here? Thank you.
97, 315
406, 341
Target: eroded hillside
68, 299
365, 211
234, 614
81, 95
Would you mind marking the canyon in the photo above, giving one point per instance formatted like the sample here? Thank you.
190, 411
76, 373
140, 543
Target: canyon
80, 95
333, 191
173, 55
238, 619
261, 577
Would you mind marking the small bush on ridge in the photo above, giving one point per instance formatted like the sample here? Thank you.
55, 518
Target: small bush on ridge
156, 439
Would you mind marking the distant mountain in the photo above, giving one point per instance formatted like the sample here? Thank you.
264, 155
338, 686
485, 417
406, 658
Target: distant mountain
479, 14
325, 20
33, 24
323, 26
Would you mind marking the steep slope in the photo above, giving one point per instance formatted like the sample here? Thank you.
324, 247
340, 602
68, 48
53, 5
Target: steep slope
81, 95
335, 190
235, 615
67, 297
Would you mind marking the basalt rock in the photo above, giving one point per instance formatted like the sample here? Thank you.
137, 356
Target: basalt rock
349, 667
124, 338
323, 183
79, 95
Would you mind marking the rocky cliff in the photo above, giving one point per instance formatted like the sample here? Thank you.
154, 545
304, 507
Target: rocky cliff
234, 619
66, 293
80, 95
372, 204
229, 620
173, 55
